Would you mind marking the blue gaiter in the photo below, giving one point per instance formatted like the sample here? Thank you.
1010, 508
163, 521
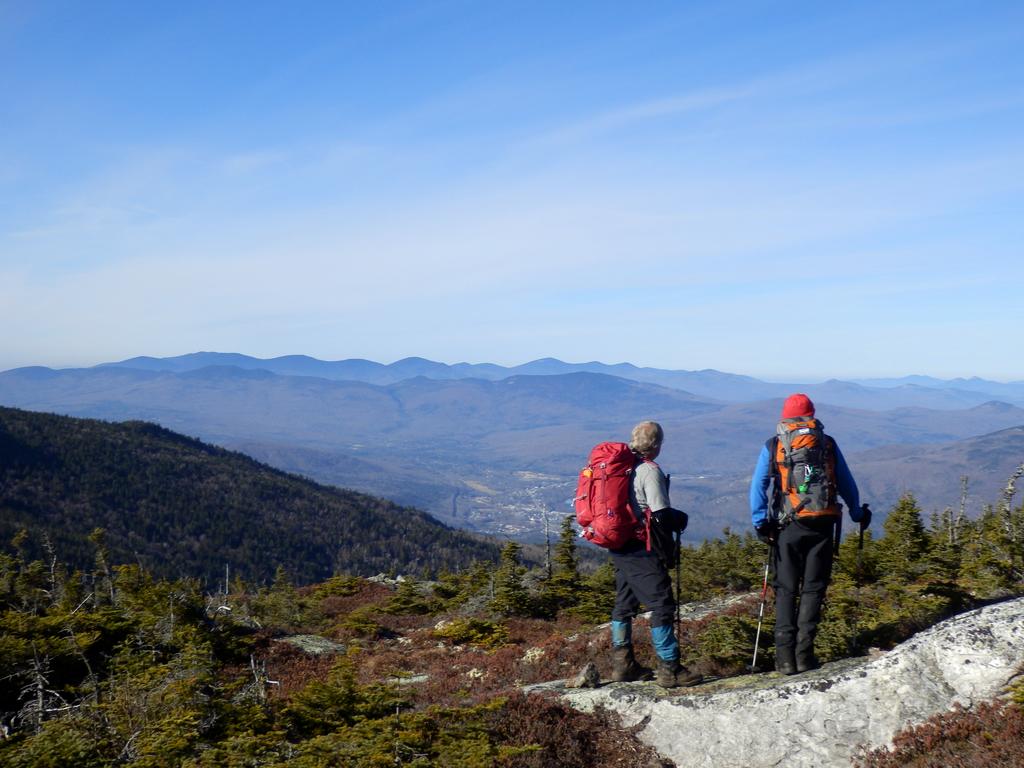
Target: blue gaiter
622, 633
664, 640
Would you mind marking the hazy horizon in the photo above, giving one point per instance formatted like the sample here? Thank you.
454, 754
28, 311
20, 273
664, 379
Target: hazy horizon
802, 379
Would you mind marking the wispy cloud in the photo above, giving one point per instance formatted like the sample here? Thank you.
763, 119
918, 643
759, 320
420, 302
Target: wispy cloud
628, 115
245, 163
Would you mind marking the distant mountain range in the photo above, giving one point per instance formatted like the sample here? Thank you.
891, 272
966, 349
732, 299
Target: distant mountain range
500, 455
876, 394
181, 507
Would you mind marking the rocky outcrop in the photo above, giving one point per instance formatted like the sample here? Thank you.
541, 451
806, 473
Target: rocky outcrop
314, 645
824, 717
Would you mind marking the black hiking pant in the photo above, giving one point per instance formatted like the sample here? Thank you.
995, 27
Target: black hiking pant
803, 569
641, 578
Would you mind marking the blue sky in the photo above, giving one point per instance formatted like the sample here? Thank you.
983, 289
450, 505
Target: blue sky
762, 188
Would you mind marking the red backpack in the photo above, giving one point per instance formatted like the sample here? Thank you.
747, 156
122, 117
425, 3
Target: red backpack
602, 497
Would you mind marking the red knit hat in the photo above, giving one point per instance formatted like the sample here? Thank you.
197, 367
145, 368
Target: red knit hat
797, 405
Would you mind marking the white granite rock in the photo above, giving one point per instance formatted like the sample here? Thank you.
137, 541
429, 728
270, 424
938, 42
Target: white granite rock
824, 717
312, 644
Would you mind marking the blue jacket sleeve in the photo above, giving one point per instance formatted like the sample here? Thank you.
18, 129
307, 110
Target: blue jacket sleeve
846, 486
759, 488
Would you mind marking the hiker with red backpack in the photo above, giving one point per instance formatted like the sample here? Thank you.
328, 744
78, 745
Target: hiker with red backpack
622, 503
807, 473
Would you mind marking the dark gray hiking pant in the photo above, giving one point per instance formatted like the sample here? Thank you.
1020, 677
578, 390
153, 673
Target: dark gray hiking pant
803, 569
640, 578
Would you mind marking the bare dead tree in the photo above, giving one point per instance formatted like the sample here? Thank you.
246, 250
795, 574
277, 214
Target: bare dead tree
40, 700
1011, 490
542, 508
98, 538
1010, 525
257, 689
547, 545
56, 583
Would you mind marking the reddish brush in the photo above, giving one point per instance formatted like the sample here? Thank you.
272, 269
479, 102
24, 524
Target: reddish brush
989, 736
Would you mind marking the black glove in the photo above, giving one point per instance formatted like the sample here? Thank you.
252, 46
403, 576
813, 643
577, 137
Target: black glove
681, 520
662, 536
670, 520
768, 531
865, 517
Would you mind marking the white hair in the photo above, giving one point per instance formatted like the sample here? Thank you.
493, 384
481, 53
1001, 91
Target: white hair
647, 437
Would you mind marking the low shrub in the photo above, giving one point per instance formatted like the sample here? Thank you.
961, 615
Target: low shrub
989, 736
482, 633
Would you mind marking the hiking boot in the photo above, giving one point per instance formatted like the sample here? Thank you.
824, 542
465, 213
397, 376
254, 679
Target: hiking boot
625, 667
785, 661
672, 674
806, 660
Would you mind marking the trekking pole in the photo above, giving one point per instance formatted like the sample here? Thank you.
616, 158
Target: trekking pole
679, 551
859, 578
839, 531
760, 613
865, 512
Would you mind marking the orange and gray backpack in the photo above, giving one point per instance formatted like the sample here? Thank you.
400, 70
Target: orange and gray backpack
804, 469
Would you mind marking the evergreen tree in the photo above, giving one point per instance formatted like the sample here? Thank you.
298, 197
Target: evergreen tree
721, 566
566, 559
562, 590
990, 558
917, 571
597, 595
455, 589
409, 600
903, 548
511, 597
278, 606
945, 553
324, 706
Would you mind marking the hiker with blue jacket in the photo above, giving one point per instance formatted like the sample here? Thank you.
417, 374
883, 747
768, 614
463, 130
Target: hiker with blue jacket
807, 473
642, 570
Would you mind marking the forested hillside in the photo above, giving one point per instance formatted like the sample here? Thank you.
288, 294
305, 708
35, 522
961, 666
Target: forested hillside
180, 507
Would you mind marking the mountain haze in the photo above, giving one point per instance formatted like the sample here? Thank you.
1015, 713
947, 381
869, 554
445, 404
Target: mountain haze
878, 394
500, 455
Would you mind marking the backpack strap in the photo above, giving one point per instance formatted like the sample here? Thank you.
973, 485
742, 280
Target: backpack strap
787, 455
776, 501
641, 459
830, 462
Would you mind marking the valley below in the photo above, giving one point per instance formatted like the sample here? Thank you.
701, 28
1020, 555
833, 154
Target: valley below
500, 456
